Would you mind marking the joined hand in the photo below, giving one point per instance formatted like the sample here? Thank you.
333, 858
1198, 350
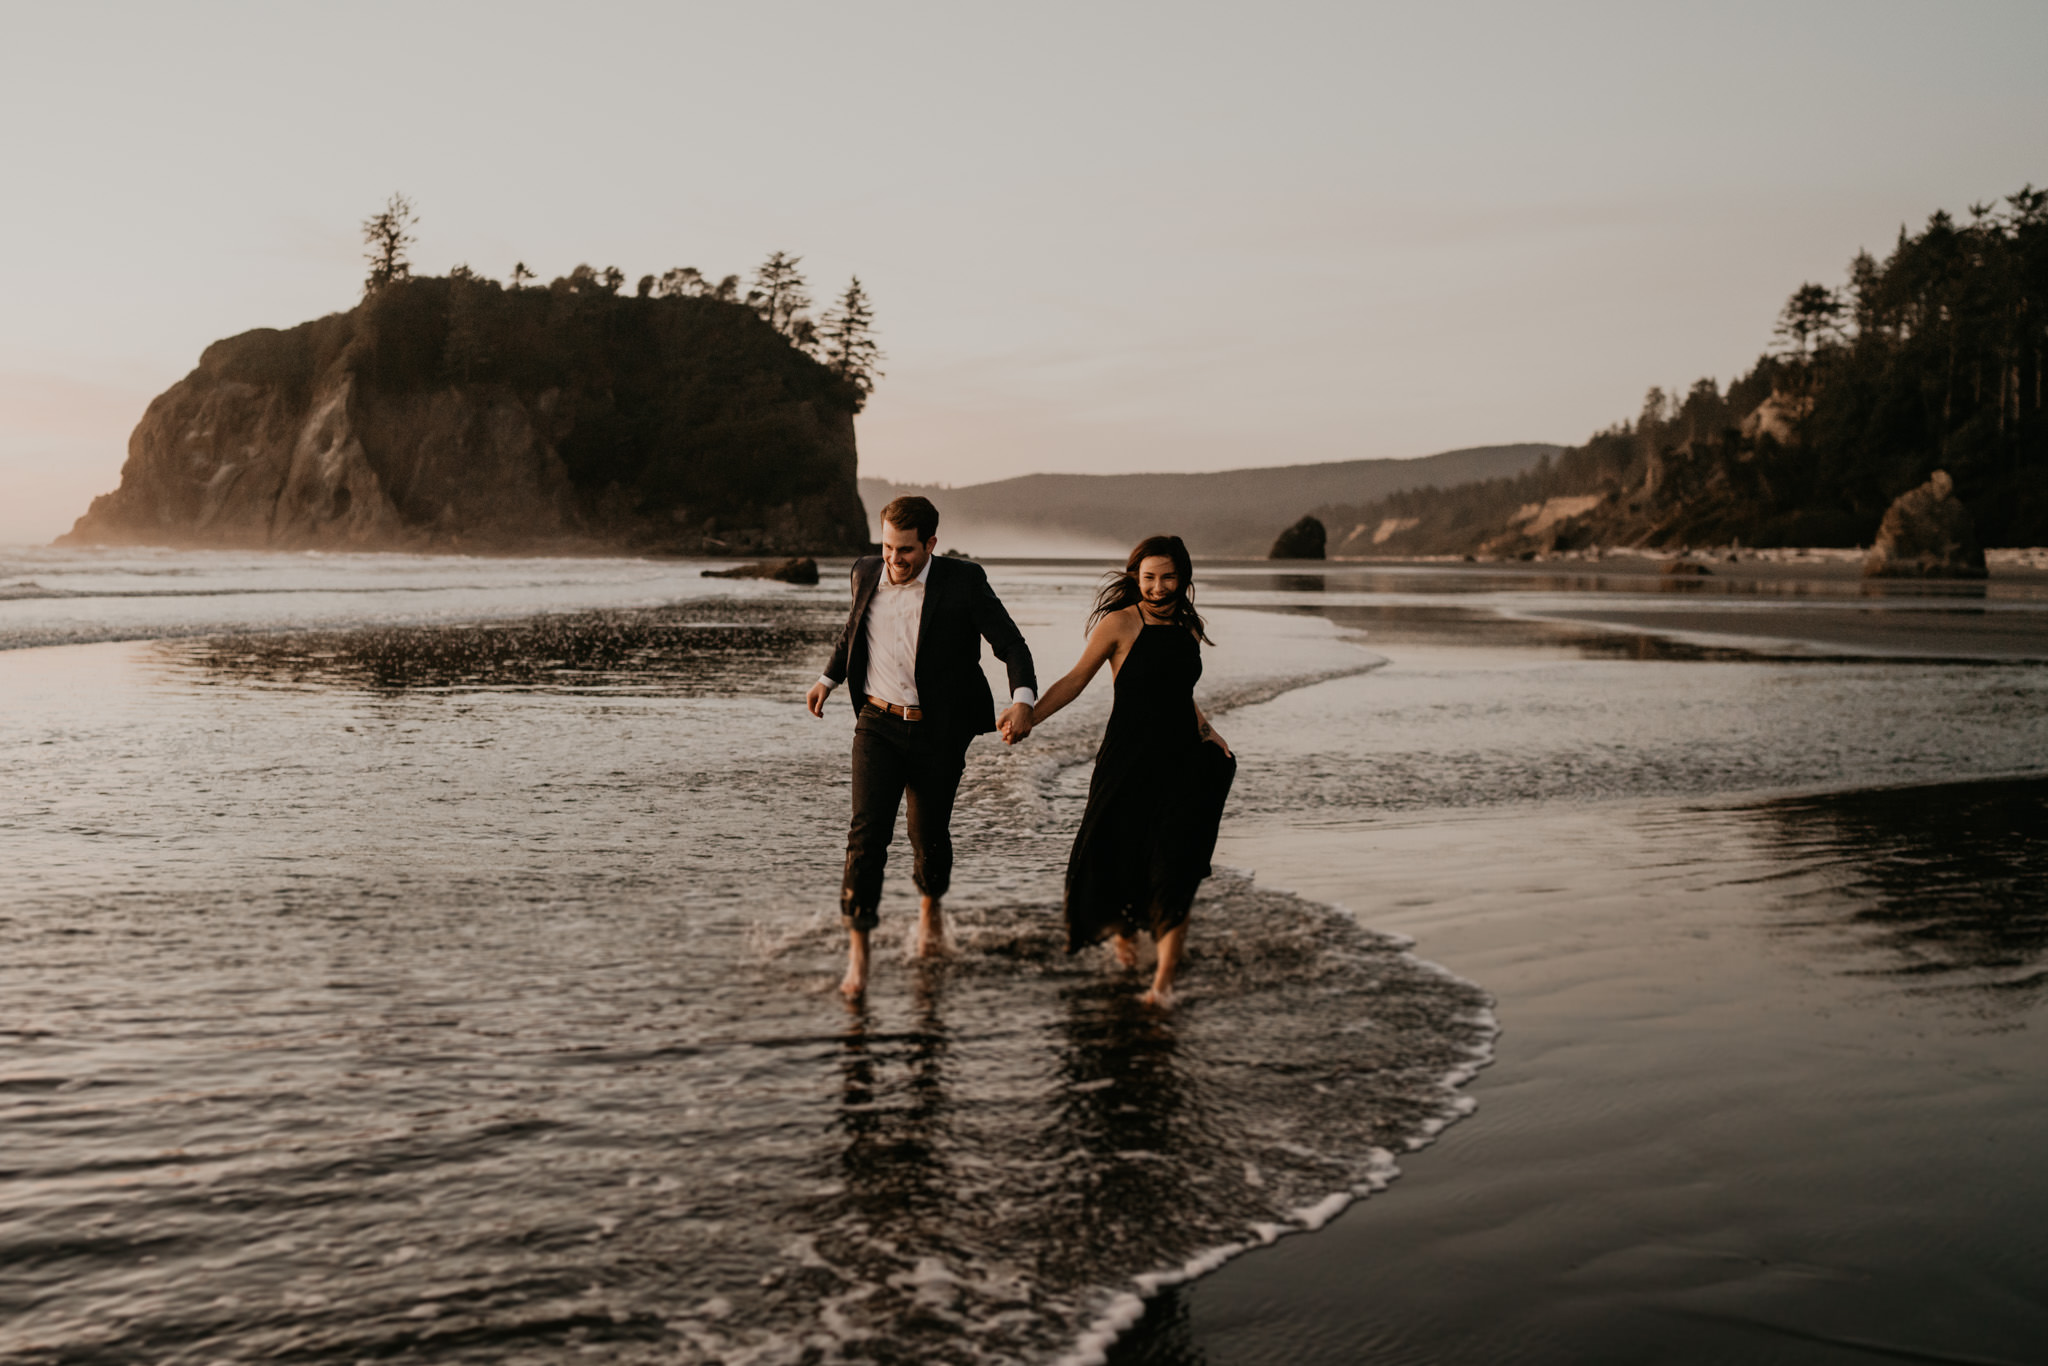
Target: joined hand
1015, 723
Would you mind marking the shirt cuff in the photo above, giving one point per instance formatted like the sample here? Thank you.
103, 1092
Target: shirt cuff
829, 684
1028, 696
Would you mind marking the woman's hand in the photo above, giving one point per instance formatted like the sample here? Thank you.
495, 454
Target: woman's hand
1215, 737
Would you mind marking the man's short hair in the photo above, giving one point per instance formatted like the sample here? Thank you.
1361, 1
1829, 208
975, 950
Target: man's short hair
912, 513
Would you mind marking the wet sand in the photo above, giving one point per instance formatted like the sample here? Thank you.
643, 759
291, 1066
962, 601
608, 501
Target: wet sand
1937, 632
1827, 607
1816, 608
1762, 1096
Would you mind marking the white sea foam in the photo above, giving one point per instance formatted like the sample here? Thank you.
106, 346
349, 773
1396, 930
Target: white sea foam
1381, 1170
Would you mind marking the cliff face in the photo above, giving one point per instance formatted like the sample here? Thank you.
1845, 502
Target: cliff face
450, 414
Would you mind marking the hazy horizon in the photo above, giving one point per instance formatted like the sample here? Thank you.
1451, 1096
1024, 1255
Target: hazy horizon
1154, 239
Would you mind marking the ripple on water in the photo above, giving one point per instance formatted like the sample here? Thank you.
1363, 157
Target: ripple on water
973, 1171
466, 995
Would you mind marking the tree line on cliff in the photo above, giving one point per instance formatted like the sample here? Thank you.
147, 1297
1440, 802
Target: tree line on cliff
844, 339
1932, 358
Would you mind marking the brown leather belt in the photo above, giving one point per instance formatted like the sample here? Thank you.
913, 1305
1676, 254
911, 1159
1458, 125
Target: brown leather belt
907, 713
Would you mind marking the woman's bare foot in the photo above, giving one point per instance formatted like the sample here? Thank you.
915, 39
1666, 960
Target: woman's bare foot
1170, 945
931, 929
855, 983
1126, 952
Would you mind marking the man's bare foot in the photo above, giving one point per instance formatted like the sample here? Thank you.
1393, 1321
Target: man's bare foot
1126, 952
931, 929
1159, 998
855, 983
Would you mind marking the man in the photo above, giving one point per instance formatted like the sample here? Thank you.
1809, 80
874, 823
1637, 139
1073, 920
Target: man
911, 655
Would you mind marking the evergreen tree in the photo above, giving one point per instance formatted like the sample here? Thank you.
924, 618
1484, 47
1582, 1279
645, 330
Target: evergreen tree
1812, 314
387, 237
779, 294
849, 338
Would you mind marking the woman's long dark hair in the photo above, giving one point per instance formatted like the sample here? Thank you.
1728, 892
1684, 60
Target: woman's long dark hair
1120, 590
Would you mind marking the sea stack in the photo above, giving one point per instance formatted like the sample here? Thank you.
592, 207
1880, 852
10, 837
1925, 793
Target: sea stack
1926, 534
453, 414
1305, 540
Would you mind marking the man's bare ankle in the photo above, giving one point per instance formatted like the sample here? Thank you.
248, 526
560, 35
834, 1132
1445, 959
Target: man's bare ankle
856, 980
931, 929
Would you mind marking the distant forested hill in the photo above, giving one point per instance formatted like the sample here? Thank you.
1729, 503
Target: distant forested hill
1227, 513
1931, 359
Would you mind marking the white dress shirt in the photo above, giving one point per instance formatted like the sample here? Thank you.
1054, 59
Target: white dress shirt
894, 615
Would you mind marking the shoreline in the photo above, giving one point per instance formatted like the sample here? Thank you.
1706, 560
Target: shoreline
2022, 563
1718, 1074
1097, 1345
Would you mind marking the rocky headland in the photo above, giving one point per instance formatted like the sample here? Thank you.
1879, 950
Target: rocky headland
455, 414
1905, 411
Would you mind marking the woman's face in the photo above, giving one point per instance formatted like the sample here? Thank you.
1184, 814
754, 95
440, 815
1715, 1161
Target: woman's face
1158, 580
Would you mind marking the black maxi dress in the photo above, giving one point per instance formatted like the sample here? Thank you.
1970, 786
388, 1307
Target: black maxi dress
1155, 801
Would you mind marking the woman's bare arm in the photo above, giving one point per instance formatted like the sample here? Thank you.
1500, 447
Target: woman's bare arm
1104, 644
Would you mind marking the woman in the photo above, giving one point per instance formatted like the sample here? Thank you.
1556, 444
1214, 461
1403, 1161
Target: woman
1162, 772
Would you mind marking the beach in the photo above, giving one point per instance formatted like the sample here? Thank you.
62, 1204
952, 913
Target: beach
434, 960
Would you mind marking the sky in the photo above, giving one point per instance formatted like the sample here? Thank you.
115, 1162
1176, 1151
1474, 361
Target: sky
1099, 237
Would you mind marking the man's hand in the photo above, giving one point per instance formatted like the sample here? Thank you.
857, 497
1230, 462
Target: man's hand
1015, 722
815, 698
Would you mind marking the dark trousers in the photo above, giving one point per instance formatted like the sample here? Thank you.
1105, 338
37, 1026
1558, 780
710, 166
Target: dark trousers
893, 758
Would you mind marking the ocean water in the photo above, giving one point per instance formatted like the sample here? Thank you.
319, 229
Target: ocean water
433, 959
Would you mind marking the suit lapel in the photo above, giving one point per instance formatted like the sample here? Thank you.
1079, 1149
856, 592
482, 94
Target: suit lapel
857, 629
867, 596
924, 608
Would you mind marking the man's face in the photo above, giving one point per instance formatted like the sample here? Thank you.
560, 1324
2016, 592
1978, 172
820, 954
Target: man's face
903, 553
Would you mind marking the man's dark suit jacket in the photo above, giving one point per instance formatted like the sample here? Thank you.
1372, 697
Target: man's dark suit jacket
960, 611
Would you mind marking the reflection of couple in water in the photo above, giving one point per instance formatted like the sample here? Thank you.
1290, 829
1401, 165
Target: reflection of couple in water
911, 652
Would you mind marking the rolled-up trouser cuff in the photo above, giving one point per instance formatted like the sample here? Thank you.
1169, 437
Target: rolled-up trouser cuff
857, 916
